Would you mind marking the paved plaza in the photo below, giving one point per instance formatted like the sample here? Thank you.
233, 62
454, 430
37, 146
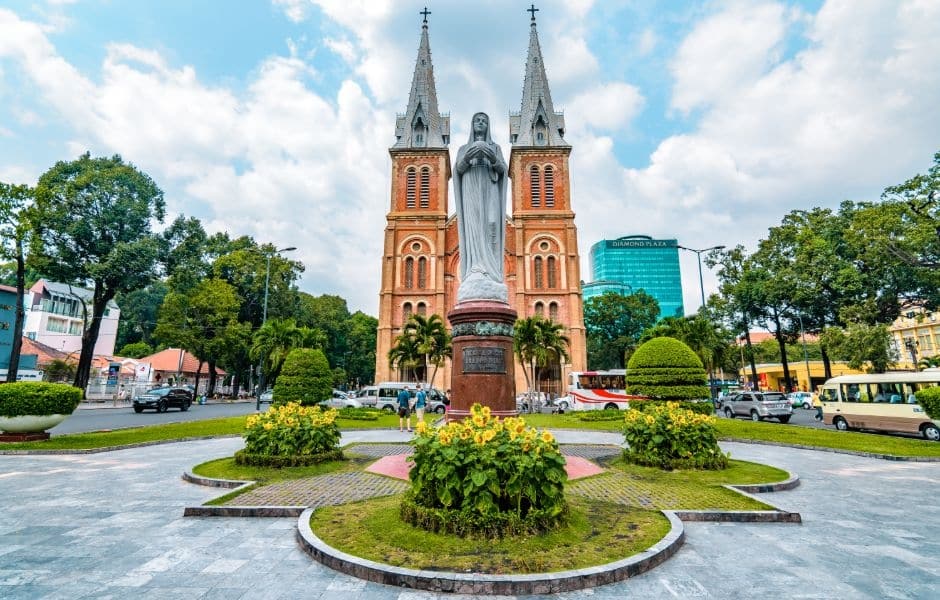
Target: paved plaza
110, 525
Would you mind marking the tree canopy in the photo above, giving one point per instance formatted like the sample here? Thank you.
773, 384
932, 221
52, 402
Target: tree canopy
614, 324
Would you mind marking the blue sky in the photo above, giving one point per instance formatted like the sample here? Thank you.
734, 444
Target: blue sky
703, 121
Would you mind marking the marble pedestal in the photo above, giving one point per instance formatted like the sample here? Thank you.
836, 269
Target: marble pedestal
483, 364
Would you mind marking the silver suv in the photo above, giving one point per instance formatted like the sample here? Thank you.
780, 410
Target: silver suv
758, 406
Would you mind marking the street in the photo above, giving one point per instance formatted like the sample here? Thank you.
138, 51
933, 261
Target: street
97, 419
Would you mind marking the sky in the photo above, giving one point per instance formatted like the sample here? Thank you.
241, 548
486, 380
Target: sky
705, 122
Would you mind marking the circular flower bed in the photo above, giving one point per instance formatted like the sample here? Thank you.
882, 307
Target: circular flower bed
667, 436
486, 477
290, 435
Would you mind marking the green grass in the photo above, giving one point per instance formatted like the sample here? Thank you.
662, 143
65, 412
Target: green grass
648, 487
597, 533
225, 468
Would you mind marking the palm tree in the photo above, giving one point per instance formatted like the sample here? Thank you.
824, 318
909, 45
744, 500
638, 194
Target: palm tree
272, 343
405, 354
539, 342
432, 340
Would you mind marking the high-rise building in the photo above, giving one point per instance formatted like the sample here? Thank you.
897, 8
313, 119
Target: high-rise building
421, 261
638, 262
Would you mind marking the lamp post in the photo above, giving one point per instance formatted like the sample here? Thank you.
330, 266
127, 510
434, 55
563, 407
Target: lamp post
701, 287
264, 318
809, 378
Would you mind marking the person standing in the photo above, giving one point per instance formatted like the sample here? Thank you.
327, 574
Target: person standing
817, 404
421, 402
404, 409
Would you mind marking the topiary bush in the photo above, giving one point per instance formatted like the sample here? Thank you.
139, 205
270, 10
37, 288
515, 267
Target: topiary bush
305, 378
669, 437
929, 400
38, 398
290, 435
486, 477
665, 368
704, 407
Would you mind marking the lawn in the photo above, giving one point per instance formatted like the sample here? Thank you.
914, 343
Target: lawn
596, 533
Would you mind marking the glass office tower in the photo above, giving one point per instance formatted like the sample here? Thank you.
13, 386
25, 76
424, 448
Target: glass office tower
638, 262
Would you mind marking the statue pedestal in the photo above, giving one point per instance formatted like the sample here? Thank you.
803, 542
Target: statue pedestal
483, 363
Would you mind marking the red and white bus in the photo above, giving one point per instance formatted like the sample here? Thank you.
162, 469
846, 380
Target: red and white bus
596, 390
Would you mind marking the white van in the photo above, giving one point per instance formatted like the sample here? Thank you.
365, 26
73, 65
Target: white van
385, 396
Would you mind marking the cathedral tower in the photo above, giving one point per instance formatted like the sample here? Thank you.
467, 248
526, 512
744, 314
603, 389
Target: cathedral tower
413, 253
547, 263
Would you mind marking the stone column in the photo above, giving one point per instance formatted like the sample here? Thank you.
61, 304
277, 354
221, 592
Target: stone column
483, 367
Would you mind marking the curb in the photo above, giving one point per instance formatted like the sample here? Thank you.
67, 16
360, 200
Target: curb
481, 583
739, 516
894, 457
210, 482
243, 511
762, 488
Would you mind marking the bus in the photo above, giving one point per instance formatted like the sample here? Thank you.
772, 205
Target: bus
596, 390
882, 402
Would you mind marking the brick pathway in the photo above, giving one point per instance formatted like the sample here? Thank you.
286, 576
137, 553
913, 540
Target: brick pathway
378, 450
322, 490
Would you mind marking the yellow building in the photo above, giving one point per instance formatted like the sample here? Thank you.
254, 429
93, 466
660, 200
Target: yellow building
770, 375
915, 336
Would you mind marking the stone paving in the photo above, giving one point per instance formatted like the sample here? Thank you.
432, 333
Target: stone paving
111, 526
322, 490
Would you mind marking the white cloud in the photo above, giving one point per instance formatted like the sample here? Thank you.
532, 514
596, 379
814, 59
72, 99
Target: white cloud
647, 42
343, 48
609, 106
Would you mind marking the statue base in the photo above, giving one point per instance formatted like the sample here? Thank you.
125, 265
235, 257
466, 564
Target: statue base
483, 366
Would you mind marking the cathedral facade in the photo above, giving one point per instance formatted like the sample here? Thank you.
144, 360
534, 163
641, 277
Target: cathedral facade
420, 259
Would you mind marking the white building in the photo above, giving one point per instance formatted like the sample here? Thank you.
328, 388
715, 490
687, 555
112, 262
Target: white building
55, 316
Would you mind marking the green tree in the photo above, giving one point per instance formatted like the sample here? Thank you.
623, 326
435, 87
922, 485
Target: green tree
739, 296
273, 342
614, 324
305, 378
405, 355
329, 314
539, 342
135, 350
864, 346
431, 339
14, 235
58, 371
139, 310
362, 331
703, 333
91, 225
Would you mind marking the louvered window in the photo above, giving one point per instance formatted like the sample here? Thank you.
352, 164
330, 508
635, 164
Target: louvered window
409, 273
422, 308
538, 273
422, 273
551, 267
549, 187
410, 176
553, 311
539, 309
535, 184
406, 312
425, 187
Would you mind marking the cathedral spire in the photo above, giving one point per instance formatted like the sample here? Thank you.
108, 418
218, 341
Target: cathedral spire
537, 123
422, 126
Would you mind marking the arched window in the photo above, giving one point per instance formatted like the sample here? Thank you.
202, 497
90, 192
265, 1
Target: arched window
410, 176
551, 267
406, 312
409, 273
549, 186
539, 309
535, 185
422, 308
425, 187
553, 311
537, 278
422, 273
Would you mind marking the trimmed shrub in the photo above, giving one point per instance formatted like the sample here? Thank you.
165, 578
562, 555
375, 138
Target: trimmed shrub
601, 415
669, 437
280, 462
291, 430
704, 407
360, 414
38, 398
486, 477
305, 378
665, 368
929, 400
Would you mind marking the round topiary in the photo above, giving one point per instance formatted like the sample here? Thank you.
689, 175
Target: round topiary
665, 368
305, 378
38, 398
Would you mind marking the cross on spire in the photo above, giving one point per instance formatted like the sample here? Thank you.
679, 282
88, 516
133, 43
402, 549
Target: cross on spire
532, 10
425, 12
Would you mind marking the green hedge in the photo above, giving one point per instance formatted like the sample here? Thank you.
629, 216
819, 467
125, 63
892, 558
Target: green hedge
270, 460
360, 414
665, 368
305, 378
702, 408
601, 415
38, 398
469, 523
929, 399
663, 352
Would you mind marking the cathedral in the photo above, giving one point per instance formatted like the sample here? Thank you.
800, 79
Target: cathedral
420, 259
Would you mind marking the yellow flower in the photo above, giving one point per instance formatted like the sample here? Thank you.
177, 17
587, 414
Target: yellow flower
547, 437
478, 438
486, 412
488, 435
422, 427
269, 426
465, 434
478, 420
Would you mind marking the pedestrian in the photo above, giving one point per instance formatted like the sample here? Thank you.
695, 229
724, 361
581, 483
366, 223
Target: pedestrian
404, 409
421, 402
817, 404
446, 401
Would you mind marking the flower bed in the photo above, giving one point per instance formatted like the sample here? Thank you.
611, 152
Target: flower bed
667, 436
290, 435
486, 477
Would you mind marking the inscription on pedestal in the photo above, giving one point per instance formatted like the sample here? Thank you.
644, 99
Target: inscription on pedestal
478, 359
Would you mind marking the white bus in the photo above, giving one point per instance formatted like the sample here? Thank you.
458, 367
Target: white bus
596, 390
883, 402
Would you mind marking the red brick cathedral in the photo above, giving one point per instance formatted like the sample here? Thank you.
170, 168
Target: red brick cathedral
421, 263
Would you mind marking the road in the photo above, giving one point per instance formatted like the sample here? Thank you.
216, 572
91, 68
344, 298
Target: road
97, 419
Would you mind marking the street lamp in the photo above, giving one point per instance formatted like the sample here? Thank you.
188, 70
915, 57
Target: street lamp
809, 378
701, 287
264, 318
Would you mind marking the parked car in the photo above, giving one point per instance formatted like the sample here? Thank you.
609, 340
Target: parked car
385, 396
341, 400
801, 400
160, 399
758, 406
267, 396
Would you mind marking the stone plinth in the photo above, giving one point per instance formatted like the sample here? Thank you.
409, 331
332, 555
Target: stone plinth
483, 364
